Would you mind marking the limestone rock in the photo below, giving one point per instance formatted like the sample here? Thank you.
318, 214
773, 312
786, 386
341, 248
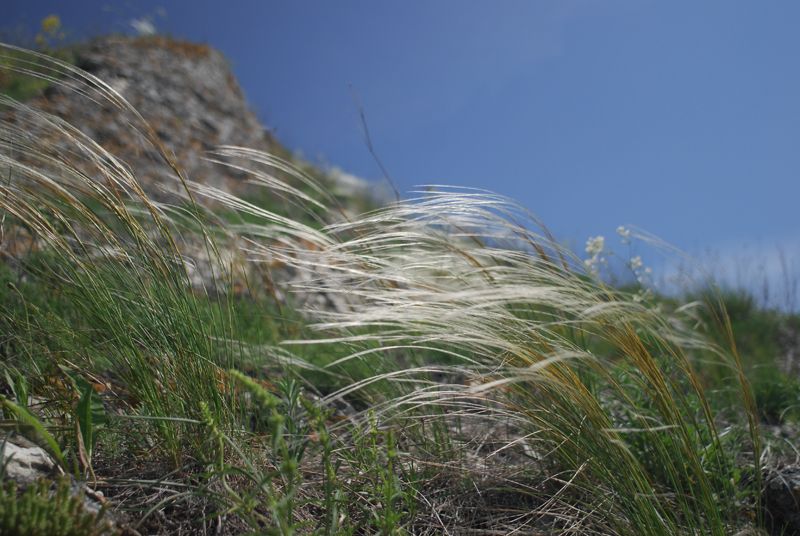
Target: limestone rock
186, 92
24, 462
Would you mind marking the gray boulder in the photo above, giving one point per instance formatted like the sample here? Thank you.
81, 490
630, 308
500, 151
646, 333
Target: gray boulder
24, 462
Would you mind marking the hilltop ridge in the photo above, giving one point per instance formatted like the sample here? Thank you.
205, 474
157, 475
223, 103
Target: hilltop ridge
189, 95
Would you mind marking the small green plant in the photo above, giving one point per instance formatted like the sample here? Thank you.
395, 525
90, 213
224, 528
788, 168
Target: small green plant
51, 34
90, 417
777, 395
388, 518
387, 503
334, 504
49, 509
18, 385
278, 487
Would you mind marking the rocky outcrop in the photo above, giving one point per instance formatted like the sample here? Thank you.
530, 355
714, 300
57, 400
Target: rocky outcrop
186, 92
181, 102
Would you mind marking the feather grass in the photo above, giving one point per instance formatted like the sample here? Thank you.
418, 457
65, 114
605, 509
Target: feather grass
603, 389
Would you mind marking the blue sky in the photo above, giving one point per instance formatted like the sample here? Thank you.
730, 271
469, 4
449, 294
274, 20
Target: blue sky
682, 118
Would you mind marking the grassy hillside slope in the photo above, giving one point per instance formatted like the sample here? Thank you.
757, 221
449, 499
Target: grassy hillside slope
437, 365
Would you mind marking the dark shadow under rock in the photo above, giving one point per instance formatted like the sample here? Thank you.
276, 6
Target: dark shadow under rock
781, 499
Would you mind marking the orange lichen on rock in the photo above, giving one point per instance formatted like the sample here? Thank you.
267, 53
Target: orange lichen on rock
183, 48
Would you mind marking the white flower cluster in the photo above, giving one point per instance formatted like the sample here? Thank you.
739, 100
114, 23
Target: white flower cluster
595, 247
639, 269
635, 263
598, 257
642, 274
624, 234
